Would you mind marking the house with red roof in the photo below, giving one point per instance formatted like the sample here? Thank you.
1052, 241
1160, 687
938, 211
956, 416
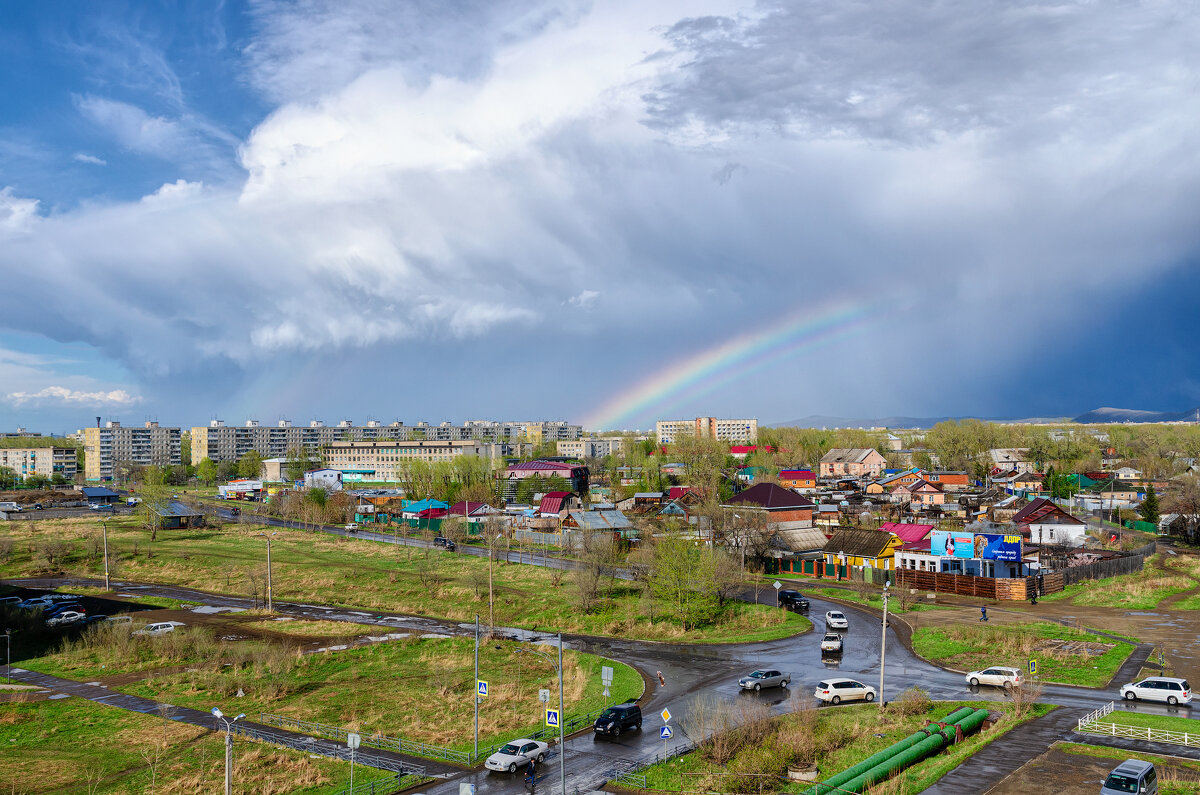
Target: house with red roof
797, 478
1044, 522
785, 508
908, 532
557, 503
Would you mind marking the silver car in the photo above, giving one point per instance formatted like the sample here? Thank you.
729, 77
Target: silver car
831, 643
768, 677
836, 619
517, 754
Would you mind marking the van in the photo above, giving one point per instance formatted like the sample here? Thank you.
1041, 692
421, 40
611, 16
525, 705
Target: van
618, 718
1132, 775
10, 506
1158, 688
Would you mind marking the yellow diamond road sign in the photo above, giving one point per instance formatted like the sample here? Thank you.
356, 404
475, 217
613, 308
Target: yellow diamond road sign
666, 715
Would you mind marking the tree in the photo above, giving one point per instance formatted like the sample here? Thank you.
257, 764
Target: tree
36, 481
297, 464
1186, 502
684, 579
1148, 510
206, 470
250, 464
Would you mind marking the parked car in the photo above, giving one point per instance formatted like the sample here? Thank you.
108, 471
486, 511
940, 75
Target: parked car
352, 527
64, 618
62, 607
37, 603
517, 754
998, 675
1132, 775
119, 619
835, 691
618, 718
831, 643
1158, 688
442, 541
10, 507
10, 601
767, 677
235, 511
836, 619
159, 628
100, 506
792, 600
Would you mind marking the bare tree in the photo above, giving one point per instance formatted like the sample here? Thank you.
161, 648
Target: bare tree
597, 562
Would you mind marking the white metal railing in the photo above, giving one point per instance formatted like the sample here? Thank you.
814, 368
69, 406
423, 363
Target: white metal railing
1091, 724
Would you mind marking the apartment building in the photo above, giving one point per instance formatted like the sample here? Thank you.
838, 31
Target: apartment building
381, 460
667, 431
220, 442
592, 448
105, 447
48, 461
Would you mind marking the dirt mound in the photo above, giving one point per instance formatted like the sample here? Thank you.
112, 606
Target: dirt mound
48, 498
1074, 647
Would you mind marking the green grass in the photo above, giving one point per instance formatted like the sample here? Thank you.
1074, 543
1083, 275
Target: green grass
72, 745
1141, 590
313, 567
969, 647
1187, 603
871, 600
833, 739
1165, 785
1148, 721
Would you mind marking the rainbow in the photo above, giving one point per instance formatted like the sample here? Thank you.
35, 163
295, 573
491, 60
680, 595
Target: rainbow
701, 373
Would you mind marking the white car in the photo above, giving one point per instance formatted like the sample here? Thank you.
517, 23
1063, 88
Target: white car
352, 527
65, 617
516, 754
835, 691
836, 619
1158, 688
998, 675
159, 628
831, 643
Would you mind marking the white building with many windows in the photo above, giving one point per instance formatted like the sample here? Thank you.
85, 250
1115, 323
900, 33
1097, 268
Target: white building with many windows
732, 431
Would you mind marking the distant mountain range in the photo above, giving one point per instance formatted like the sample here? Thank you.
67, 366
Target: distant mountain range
1093, 417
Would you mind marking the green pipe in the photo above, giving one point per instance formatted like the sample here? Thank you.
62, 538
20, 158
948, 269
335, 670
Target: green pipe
831, 784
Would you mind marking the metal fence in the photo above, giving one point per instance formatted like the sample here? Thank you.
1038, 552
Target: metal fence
397, 744
1091, 724
633, 775
380, 786
337, 752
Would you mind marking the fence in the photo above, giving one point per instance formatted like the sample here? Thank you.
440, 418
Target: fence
380, 786
1128, 564
397, 744
305, 744
1090, 724
631, 775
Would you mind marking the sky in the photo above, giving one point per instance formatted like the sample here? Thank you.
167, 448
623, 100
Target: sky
605, 212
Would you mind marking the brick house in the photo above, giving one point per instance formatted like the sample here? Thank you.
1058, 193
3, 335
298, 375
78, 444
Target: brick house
854, 462
785, 508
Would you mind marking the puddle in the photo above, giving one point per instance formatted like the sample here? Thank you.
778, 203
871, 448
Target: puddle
210, 610
57, 696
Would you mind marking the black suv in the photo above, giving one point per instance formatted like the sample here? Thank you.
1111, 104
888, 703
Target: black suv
618, 718
793, 600
442, 541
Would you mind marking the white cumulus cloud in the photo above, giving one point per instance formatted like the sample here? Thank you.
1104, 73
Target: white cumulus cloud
59, 394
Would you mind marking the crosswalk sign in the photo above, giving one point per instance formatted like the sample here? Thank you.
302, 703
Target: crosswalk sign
665, 732
552, 718
481, 687
1033, 666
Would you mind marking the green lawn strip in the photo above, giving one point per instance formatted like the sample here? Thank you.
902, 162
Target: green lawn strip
1165, 787
872, 600
418, 689
1187, 603
68, 746
1141, 590
843, 737
971, 647
1171, 723
315, 567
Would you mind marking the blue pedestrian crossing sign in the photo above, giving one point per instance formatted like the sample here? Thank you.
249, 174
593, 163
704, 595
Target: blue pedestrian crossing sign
665, 732
552, 718
1033, 666
481, 687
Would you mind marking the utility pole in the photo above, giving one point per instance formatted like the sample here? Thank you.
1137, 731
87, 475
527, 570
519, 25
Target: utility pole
270, 603
562, 746
883, 642
476, 756
228, 746
107, 586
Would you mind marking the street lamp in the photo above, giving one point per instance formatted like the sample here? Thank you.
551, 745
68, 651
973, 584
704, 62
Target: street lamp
219, 715
270, 604
562, 747
883, 641
104, 525
491, 565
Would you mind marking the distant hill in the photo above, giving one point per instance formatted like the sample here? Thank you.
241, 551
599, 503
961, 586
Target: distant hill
1105, 415
821, 421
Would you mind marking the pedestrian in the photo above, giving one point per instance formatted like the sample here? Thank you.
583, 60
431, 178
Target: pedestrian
1033, 599
983, 613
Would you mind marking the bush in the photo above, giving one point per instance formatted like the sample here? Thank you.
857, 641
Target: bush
913, 701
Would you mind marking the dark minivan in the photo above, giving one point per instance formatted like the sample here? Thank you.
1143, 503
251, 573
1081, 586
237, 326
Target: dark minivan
792, 600
618, 718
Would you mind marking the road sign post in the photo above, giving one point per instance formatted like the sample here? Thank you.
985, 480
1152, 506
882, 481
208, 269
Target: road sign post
665, 732
544, 696
777, 585
606, 677
552, 719
481, 687
1033, 666
665, 715
353, 741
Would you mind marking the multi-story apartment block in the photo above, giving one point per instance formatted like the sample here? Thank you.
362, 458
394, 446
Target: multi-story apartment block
220, 442
381, 460
19, 433
592, 448
105, 447
48, 461
667, 431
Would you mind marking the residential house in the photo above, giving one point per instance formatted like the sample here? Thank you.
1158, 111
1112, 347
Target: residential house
908, 532
174, 515
785, 508
789, 547
1008, 458
328, 479
599, 521
853, 462
575, 474
949, 480
1028, 481
893, 442
797, 479
473, 512
1129, 473
557, 503
921, 493
1043, 522
855, 547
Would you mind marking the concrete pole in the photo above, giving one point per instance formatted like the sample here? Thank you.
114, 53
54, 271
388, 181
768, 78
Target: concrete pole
476, 756
270, 603
228, 761
562, 746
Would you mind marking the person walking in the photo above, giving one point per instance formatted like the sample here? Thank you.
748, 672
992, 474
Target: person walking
983, 613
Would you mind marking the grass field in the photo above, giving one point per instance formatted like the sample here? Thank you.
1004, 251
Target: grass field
833, 739
1142, 590
1169, 783
313, 567
1148, 721
76, 746
970, 647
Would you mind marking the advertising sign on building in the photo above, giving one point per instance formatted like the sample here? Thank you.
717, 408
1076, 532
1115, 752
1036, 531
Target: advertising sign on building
990, 546
952, 545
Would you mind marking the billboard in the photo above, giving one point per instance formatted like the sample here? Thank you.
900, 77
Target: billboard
990, 546
985, 546
952, 545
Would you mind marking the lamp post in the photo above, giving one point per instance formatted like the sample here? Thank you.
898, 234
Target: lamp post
270, 603
104, 525
228, 746
476, 756
8, 651
491, 565
883, 641
562, 748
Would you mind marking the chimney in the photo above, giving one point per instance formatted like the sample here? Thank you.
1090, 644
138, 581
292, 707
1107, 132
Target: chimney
97, 422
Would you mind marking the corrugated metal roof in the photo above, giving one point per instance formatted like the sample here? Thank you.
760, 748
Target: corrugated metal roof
527, 466
771, 496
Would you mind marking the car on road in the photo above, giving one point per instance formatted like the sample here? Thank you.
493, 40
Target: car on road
831, 643
1158, 688
65, 617
100, 506
515, 755
618, 718
235, 511
835, 691
792, 600
997, 675
1132, 775
442, 541
836, 619
159, 628
352, 527
10, 506
766, 677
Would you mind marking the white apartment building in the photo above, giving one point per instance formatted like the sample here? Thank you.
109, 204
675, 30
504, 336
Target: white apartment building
732, 431
48, 461
114, 444
381, 461
592, 448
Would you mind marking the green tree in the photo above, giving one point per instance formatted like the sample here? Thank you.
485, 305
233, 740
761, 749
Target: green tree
250, 464
154, 476
684, 579
185, 448
36, 481
206, 470
297, 464
1149, 510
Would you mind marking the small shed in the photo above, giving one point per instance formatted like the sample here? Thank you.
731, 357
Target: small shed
174, 515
